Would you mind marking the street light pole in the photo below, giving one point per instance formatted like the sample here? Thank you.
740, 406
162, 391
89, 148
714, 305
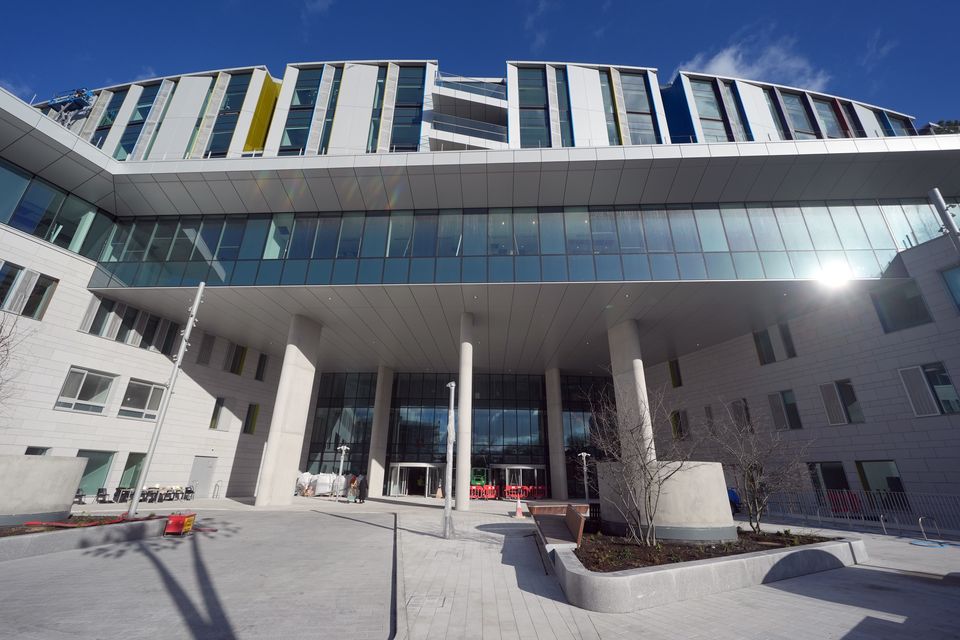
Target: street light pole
165, 401
586, 490
343, 454
448, 471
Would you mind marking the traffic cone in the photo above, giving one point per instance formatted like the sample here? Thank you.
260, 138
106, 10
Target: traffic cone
519, 513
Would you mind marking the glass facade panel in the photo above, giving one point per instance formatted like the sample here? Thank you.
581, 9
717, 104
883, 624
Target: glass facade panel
449, 232
821, 228
636, 102
737, 225
13, 182
830, 118
577, 223
563, 104
610, 111
799, 116
37, 209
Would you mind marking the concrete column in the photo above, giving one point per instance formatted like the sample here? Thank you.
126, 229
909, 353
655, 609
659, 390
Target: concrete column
291, 409
464, 412
629, 382
558, 458
379, 430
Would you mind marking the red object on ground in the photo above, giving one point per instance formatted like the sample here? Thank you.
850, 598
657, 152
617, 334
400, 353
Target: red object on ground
179, 524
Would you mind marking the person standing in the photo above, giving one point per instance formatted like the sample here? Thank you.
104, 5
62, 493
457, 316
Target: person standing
362, 488
352, 490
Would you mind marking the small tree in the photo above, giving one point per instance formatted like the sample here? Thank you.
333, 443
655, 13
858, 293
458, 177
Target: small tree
632, 472
761, 458
7, 340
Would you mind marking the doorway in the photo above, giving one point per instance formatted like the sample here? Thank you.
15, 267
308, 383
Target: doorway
95, 473
415, 479
519, 481
201, 475
131, 471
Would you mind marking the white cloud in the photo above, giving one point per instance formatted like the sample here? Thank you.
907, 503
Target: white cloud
878, 48
532, 25
778, 62
316, 6
146, 73
20, 89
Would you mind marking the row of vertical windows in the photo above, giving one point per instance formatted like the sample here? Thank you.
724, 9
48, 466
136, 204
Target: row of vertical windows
534, 110
302, 105
636, 102
24, 292
331, 109
563, 106
609, 108
88, 391
377, 111
408, 109
106, 120
128, 325
228, 115
131, 132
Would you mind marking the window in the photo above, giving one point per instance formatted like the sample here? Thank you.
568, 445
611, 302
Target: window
799, 116
217, 410
135, 125
141, 400
827, 476
206, 349
636, 102
740, 413
534, 114
787, 338
39, 297
37, 451
228, 115
606, 92
830, 117
250, 420
675, 379
8, 276
106, 121
236, 356
774, 106
331, 110
261, 367
85, 390
709, 108
734, 109
761, 340
930, 390
901, 126
563, 104
900, 306
374, 133
783, 408
678, 424
952, 278
841, 403
408, 109
879, 475
294, 139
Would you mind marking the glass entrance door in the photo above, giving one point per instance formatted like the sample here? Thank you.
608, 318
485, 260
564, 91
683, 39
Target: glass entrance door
415, 479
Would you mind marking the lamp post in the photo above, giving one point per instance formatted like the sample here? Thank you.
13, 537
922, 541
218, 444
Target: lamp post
586, 490
343, 454
165, 401
448, 471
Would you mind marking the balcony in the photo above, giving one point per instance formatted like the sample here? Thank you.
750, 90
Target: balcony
469, 127
475, 86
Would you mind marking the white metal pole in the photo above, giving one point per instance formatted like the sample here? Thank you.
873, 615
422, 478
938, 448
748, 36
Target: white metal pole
448, 471
586, 489
343, 454
165, 401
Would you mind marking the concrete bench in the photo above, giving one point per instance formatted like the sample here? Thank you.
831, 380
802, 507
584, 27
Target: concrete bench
561, 530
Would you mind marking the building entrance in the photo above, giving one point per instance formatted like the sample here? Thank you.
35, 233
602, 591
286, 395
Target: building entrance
415, 479
519, 481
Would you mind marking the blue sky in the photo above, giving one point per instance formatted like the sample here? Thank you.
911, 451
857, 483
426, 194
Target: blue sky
893, 54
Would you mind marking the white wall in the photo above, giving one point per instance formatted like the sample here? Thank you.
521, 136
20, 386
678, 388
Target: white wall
279, 121
586, 107
757, 112
868, 119
50, 346
247, 109
351, 121
181, 118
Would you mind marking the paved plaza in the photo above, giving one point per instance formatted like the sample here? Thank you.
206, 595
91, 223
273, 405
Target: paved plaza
321, 569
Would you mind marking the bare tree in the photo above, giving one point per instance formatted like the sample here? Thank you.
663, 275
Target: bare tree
7, 341
762, 458
629, 468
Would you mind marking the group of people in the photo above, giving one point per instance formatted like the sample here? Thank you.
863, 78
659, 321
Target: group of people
357, 488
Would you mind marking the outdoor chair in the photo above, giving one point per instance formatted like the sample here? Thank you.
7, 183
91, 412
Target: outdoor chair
79, 497
102, 496
188, 493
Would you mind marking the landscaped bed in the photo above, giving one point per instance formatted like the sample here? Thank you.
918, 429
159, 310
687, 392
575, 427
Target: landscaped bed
603, 553
73, 522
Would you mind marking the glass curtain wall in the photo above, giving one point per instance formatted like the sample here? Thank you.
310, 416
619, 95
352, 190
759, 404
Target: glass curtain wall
609, 109
331, 110
135, 125
344, 416
743, 241
636, 101
534, 111
408, 109
579, 394
107, 119
228, 115
563, 104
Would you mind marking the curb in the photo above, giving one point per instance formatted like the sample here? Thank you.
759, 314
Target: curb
38, 544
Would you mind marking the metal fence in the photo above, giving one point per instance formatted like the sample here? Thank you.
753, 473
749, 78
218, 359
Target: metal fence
888, 511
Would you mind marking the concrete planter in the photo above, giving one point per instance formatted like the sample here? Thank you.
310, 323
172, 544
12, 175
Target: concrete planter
36, 544
634, 589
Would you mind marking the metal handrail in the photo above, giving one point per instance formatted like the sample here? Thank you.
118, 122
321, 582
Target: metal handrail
471, 85
467, 126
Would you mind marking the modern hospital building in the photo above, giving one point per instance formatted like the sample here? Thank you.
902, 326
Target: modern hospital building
369, 231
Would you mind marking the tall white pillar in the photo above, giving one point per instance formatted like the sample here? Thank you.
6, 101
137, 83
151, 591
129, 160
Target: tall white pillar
378, 431
291, 408
558, 457
464, 412
629, 382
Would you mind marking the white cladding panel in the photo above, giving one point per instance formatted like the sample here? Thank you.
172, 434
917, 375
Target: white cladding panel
659, 112
274, 136
181, 118
245, 118
351, 121
586, 107
869, 121
513, 108
757, 112
123, 117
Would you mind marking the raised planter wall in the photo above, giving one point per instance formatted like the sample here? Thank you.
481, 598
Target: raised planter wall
37, 487
634, 589
36, 544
